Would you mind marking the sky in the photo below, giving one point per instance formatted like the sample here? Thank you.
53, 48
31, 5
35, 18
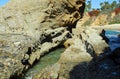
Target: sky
95, 3
2, 2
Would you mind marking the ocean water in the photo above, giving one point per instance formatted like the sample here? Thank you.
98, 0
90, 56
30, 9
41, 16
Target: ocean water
112, 35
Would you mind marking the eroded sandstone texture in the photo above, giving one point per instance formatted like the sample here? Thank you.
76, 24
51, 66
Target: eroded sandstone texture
85, 45
30, 28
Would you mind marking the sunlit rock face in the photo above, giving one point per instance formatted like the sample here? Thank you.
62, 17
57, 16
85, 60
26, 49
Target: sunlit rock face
34, 16
30, 28
85, 45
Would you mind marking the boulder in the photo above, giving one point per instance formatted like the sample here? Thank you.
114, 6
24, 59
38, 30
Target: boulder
102, 34
92, 39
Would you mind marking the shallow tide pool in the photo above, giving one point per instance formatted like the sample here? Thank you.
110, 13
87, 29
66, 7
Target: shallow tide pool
49, 59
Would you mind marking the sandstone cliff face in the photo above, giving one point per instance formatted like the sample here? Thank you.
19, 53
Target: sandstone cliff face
100, 19
31, 28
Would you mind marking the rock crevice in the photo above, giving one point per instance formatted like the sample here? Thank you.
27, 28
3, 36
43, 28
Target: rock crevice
31, 28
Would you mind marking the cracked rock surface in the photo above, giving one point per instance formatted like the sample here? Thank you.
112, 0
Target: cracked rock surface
74, 62
28, 29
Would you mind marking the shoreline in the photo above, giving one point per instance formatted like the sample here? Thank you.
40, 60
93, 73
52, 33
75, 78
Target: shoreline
108, 27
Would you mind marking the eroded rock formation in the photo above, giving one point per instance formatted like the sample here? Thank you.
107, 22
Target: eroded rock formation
28, 29
85, 45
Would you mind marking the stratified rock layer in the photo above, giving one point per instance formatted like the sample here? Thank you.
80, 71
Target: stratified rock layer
28, 29
85, 45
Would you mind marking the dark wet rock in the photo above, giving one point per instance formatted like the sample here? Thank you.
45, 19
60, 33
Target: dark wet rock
102, 34
104, 69
115, 56
119, 35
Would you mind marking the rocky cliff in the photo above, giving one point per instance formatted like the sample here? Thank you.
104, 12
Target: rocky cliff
28, 29
84, 46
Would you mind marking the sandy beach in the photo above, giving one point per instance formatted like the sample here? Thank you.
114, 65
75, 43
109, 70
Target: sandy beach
108, 27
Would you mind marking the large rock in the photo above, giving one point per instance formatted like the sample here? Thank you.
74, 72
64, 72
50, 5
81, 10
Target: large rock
92, 39
72, 56
102, 34
18, 52
31, 28
13, 48
35, 16
84, 45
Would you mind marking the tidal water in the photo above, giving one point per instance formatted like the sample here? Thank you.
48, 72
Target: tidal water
107, 68
49, 59
112, 35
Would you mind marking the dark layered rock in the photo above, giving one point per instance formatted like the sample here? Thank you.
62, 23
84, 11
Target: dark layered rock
102, 34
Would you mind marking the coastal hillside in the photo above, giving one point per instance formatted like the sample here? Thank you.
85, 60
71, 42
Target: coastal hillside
99, 18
